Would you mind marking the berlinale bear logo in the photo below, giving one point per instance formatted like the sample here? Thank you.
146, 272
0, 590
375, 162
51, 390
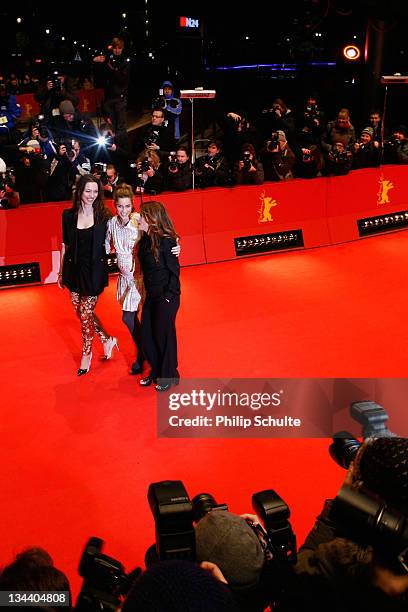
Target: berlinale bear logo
382, 194
265, 210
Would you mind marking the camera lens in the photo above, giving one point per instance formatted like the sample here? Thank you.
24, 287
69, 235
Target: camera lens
343, 449
203, 503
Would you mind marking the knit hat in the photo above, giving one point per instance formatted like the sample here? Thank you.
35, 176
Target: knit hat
369, 131
382, 467
281, 136
66, 107
228, 541
178, 586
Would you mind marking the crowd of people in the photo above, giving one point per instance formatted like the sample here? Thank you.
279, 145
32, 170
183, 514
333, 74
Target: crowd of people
240, 565
277, 144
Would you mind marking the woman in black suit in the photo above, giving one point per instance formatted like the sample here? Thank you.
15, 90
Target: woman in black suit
161, 272
83, 268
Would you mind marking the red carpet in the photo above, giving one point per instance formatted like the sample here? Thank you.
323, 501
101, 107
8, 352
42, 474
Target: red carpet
77, 455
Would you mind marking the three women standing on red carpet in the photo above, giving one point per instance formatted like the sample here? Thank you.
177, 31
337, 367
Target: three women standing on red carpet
83, 264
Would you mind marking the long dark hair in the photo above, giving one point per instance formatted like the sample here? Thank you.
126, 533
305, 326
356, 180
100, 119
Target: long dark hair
101, 213
160, 225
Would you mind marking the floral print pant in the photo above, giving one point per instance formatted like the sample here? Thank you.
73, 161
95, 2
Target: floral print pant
84, 306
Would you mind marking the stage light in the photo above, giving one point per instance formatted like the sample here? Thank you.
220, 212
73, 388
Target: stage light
124, 15
263, 243
383, 223
351, 53
19, 20
20, 274
62, 37
47, 31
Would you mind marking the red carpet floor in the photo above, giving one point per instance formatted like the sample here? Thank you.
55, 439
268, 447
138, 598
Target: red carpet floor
77, 455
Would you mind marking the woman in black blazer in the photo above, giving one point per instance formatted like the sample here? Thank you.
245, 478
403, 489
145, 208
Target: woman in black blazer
161, 272
83, 268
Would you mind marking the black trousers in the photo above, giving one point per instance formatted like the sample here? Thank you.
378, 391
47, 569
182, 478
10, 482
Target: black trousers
131, 321
159, 340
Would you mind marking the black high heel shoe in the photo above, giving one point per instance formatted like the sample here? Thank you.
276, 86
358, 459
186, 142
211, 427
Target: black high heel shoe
146, 382
82, 371
165, 386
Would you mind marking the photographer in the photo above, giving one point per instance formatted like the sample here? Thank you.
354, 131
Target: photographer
70, 123
9, 198
31, 173
172, 107
340, 130
148, 177
277, 158
179, 172
156, 136
237, 130
52, 92
279, 117
396, 149
10, 111
336, 570
108, 150
37, 130
338, 161
69, 164
367, 151
110, 180
212, 169
115, 76
248, 170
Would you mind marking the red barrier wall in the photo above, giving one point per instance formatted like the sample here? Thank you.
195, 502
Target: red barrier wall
89, 100
325, 209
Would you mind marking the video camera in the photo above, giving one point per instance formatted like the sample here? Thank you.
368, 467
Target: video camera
105, 581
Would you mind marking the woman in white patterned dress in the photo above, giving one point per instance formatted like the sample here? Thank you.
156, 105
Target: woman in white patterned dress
123, 234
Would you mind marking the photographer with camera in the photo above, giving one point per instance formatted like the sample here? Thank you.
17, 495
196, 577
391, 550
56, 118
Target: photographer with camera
9, 197
338, 160
277, 158
367, 152
212, 169
147, 175
351, 559
179, 171
70, 123
51, 92
115, 75
172, 107
340, 130
279, 118
396, 149
248, 170
108, 150
156, 136
38, 131
68, 165
237, 129
10, 111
